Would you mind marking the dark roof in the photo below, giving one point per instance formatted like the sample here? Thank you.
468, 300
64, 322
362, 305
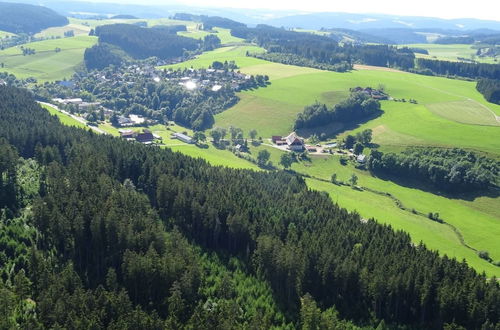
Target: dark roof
144, 137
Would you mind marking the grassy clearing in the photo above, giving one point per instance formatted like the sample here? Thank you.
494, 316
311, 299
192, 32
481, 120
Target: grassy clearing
451, 52
4, 34
47, 64
230, 53
467, 112
224, 35
58, 31
65, 119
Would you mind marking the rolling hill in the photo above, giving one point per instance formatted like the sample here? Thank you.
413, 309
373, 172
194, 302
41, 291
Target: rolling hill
24, 18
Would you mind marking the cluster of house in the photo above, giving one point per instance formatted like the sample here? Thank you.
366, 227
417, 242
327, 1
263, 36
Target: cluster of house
210, 79
78, 102
133, 120
145, 137
372, 92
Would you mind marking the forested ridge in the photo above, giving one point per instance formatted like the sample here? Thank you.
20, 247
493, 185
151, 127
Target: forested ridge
115, 223
30, 19
141, 42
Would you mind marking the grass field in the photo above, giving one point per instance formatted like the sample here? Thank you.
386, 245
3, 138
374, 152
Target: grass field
65, 119
47, 64
272, 110
450, 52
467, 112
4, 34
78, 29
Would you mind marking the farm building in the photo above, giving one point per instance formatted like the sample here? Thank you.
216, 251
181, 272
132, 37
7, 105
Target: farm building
183, 137
361, 159
145, 137
127, 134
294, 142
276, 138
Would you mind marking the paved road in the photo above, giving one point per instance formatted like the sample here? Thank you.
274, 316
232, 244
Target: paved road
79, 119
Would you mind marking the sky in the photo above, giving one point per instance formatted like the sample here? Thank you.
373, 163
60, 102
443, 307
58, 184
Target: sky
481, 9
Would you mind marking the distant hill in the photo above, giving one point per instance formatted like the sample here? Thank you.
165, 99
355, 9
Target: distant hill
378, 21
357, 36
24, 18
124, 17
397, 36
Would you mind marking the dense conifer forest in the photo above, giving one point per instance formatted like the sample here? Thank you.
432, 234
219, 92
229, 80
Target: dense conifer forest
452, 170
141, 42
29, 19
103, 233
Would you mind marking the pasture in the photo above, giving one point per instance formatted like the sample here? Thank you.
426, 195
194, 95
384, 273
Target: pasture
450, 52
47, 64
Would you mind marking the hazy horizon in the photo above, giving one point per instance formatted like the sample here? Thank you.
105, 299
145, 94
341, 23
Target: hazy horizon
483, 9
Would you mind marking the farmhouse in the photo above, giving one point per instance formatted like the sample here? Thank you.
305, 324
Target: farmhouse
361, 159
294, 142
183, 137
145, 137
127, 134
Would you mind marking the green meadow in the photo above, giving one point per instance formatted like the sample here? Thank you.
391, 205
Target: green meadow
451, 52
47, 64
4, 34
65, 119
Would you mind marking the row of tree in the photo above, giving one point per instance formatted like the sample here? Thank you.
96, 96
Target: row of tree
460, 69
452, 170
357, 107
104, 259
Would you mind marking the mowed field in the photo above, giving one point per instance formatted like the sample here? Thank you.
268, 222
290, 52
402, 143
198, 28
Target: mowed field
449, 113
47, 64
450, 52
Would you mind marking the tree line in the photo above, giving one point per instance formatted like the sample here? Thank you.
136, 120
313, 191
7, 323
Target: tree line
116, 222
357, 107
460, 69
451, 170
490, 88
323, 49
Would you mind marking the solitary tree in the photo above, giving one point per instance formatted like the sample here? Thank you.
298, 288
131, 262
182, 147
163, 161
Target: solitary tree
286, 160
263, 157
353, 180
216, 135
349, 141
199, 137
253, 134
358, 148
